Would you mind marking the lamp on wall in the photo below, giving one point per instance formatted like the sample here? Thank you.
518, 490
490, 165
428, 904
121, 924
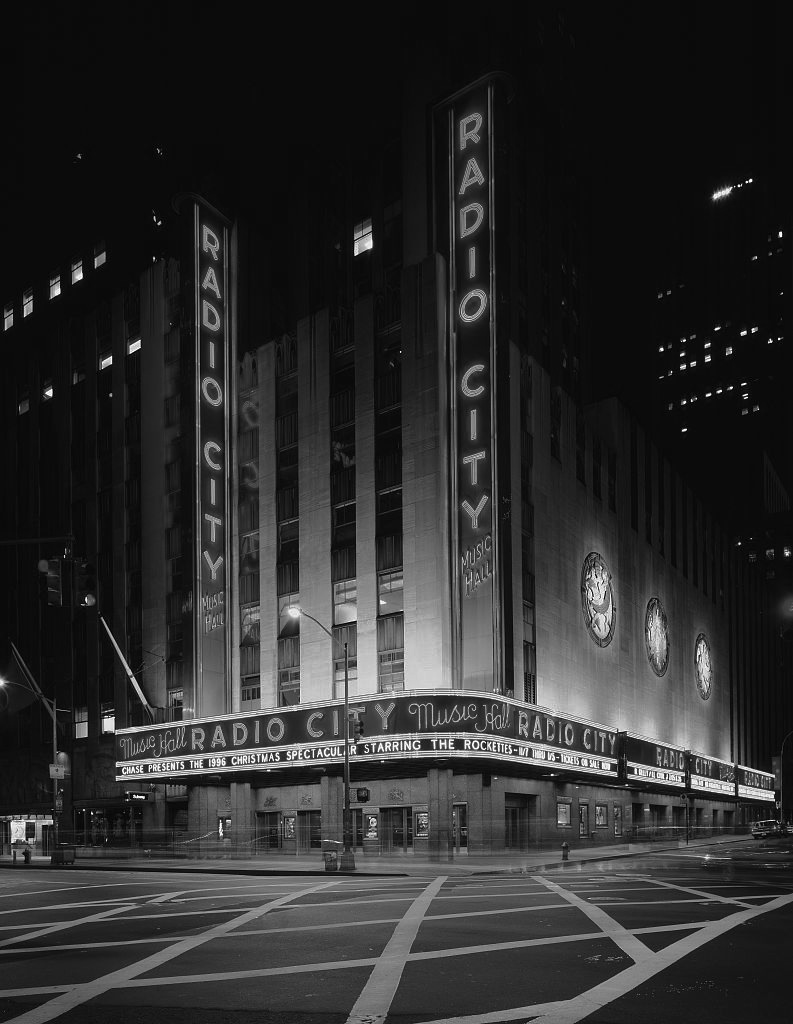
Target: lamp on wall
347, 862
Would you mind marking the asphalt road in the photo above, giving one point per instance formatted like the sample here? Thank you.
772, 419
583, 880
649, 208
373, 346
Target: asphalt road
639, 940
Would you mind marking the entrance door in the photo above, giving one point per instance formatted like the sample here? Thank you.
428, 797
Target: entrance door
396, 829
460, 826
516, 822
308, 831
267, 831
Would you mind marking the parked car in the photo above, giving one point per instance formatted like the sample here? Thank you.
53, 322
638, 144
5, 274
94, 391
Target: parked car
769, 827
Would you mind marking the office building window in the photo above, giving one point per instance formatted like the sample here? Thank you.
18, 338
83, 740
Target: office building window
133, 345
250, 691
390, 653
80, 723
77, 271
8, 317
341, 635
55, 284
100, 254
175, 702
345, 602
108, 717
362, 237
289, 671
612, 481
106, 360
27, 302
390, 592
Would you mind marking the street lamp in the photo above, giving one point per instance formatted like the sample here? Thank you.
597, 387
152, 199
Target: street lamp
347, 857
782, 776
52, 709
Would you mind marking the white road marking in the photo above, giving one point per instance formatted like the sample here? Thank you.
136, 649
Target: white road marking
619, 935
582, 1006
80, 994
61, 926
373, 1003
702, 893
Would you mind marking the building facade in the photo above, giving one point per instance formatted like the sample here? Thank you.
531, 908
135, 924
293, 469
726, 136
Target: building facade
378, 421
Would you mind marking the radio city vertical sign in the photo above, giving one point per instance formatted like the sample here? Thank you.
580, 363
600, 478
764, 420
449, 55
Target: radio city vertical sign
472, 324
210, 602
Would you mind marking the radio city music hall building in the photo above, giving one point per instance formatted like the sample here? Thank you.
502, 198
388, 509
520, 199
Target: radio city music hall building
537, 611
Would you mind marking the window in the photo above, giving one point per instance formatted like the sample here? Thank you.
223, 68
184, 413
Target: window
390, 592
77, 271
133, 345
108, 716
250, 624
8, 317
341, 635
80, 723
287, 624
391, 653
27, 302
728, 350
100, 254
175, 703
24, 405
55, 284
105, 360
250, 690
601, 816
563, 814
362, 238
345, 602
47, 391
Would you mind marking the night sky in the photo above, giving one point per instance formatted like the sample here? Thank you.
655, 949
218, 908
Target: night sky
674, 99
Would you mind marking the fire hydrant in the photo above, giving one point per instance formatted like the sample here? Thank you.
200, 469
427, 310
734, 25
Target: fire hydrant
565, 851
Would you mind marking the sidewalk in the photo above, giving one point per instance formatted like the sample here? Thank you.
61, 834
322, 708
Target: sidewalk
405, 865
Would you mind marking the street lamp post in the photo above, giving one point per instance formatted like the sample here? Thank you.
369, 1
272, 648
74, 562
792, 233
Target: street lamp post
347, 856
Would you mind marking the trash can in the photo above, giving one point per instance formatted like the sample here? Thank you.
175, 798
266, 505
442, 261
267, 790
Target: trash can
330, 851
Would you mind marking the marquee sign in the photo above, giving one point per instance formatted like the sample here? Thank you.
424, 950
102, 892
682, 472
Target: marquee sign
472, 320
754, 785
711, 775
648, 761
212, 446
423, 724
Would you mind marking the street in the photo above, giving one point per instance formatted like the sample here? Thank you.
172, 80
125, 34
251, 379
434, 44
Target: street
635, 939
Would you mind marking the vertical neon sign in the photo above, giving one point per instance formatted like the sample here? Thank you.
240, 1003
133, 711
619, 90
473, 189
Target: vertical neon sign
472, 322
212, 438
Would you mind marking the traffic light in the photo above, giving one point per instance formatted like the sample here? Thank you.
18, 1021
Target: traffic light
85, 584
357, 729
52, 568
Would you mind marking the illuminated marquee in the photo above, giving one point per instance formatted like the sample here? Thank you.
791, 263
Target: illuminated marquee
473, 327
754, 785
650, 762
409, 726
710, 775
212, 437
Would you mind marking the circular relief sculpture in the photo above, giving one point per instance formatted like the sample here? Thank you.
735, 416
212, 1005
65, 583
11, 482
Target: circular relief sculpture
703, 666
656, 636
597, 599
